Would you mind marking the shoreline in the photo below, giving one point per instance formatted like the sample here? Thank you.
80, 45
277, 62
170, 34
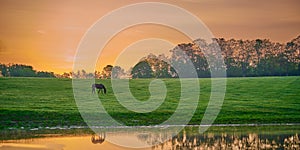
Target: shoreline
153, 126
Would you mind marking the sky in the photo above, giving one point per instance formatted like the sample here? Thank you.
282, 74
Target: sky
47, 33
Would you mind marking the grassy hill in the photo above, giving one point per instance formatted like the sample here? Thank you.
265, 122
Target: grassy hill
46, 102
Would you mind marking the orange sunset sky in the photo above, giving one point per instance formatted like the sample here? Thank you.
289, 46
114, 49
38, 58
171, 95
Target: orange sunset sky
46, 33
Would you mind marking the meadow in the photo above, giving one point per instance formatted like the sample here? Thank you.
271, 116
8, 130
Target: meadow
28, 103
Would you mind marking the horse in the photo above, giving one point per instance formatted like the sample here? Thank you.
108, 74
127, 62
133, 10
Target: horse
98, 86
100, 138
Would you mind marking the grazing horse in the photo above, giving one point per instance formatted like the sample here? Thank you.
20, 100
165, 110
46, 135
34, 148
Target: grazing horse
98, 86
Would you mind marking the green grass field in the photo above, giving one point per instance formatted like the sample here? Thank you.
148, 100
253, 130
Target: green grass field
45, 102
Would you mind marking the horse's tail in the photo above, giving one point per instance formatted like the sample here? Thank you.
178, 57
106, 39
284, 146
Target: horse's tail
104, 89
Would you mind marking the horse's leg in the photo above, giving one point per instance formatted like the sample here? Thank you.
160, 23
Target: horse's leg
98, 91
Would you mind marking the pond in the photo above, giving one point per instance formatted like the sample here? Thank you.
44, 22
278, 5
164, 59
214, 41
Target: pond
217, 137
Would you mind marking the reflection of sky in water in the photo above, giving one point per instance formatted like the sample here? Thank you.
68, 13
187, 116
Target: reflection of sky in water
185, 140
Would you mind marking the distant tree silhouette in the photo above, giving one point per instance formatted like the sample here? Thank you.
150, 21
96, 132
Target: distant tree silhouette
45, 74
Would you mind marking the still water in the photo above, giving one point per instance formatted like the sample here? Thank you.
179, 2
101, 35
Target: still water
266, 137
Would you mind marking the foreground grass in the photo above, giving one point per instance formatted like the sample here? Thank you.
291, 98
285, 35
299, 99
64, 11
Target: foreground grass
39, 102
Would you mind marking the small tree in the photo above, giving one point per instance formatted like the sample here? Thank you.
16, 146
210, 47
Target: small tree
106, 72
117, 72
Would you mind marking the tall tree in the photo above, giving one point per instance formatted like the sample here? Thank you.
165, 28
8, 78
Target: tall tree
257, 47
142, 70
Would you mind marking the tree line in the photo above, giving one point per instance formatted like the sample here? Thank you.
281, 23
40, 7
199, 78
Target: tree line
20, 70
107, 72
242, 58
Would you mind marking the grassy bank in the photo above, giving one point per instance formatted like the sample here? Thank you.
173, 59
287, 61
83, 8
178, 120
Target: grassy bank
43, 102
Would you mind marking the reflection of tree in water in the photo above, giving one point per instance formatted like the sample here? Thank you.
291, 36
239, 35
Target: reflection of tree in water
155, 138
98, 138
224, 141
292, 142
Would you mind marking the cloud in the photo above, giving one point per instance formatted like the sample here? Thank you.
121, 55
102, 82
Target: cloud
75, 28
42, 32
69, 58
